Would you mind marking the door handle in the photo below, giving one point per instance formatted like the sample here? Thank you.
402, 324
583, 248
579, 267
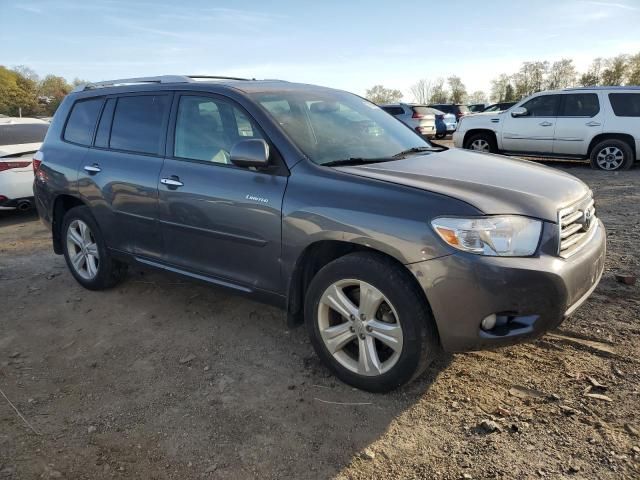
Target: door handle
593, 124
95, 168
546, 124
172, 181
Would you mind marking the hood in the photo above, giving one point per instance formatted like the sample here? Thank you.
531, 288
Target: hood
492, 183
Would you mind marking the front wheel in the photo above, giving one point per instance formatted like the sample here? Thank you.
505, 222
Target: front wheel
369, 323
481, 142
612, 155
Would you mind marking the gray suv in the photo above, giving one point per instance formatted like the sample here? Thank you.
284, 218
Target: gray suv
388, 248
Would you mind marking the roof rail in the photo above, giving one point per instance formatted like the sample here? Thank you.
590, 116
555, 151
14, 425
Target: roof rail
130, 81
219, 77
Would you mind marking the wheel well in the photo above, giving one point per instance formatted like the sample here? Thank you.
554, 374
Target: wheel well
625, 137
475, 131
312, 259
62, 204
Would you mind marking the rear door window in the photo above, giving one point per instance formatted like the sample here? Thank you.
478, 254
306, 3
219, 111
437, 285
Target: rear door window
138, 123
542, 106
580, 105
82, 121
625, 104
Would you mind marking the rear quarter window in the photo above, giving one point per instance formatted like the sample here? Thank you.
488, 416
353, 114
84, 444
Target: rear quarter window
625, 104
82, 121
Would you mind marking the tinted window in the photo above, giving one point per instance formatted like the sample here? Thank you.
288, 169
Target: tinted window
207, 129
17, 133
580, 105
137, 123
625, 104
463, 109
82, 121
394, 110
542, 106
104, 127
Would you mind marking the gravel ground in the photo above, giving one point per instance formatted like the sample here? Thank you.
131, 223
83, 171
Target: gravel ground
163, 378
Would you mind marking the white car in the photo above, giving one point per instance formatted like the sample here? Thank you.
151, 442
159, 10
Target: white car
20, 139
597, 123
417, 117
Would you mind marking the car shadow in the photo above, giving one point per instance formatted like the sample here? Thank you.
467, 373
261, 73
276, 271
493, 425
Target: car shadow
15, 217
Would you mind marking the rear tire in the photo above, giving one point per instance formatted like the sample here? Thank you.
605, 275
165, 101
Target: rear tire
481, 142
86, 254
392, 322
612, 155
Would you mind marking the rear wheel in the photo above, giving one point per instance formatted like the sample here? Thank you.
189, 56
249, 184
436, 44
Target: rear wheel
482, 142
612, 155
85, 251
369, 323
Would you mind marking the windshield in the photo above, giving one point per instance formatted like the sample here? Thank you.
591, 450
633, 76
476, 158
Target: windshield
331, 126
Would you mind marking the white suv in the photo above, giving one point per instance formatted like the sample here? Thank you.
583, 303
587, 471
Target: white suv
598, 123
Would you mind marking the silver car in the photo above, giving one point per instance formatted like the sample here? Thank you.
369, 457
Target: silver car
418, 117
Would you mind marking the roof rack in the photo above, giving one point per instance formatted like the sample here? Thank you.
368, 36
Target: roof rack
158, 79
605, 87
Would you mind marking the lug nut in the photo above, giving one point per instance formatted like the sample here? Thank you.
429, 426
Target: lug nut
362, 316
369, 328
352, 317
361, 336
352, 329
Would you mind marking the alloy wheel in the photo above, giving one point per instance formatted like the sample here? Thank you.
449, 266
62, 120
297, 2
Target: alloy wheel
610, 158
82, 250
360, 327
480, 145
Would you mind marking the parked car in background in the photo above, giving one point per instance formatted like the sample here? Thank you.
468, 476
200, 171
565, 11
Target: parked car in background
498, 107
418, 117
446, 123
597, 123
370, 236
476, 107
20, 139
458, 110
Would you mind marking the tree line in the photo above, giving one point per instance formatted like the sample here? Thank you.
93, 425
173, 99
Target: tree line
532, 77
23, 92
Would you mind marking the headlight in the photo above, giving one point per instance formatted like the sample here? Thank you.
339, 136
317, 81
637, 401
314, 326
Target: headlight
502, 235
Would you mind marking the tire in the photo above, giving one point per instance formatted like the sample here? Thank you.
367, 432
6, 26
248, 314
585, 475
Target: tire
416, 344
95, 269
611, 155
479, 139
440, 135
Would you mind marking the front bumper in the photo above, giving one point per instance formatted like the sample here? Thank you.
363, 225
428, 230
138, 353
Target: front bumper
535, 293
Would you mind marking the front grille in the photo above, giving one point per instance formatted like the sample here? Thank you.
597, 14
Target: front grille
576, 226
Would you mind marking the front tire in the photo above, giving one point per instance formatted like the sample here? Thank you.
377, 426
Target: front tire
86, 253
369, 322
481, 142
612, 155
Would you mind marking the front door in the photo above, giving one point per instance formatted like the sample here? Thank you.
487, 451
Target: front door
217, 219
533, 132
580, 119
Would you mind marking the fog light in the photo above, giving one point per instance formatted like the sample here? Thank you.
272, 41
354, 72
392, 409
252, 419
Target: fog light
489, 322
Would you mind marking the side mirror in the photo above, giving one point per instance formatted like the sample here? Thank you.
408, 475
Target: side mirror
250, 153
519, 112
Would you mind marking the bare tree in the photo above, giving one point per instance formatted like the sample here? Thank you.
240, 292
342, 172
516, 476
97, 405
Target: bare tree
592, 76
458, 92
422, 90
615, 70
438, 92
499, 87
633, 70
477, 97
379, 94
562, 74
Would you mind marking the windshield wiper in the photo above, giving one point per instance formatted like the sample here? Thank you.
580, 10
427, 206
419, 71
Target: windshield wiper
416, 150
354, 161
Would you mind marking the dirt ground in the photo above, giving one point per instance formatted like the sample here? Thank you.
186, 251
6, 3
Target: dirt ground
161, 378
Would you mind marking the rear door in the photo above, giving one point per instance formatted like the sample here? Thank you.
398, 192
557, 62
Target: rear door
534, 132
217, 219
580, 119
119, 175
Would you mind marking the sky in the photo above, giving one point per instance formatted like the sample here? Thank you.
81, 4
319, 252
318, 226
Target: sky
351, 45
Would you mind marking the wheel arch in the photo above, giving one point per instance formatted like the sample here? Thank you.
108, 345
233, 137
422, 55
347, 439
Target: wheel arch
624, 137
474, 131
315, 256
61, 205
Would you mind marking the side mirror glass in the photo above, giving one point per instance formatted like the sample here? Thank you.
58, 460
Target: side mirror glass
519, 112
250, 153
